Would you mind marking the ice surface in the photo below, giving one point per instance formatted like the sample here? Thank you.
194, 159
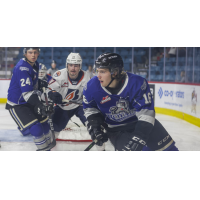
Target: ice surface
186, 135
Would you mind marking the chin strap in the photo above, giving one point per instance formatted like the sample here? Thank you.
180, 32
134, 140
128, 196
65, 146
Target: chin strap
28, 60
112, 79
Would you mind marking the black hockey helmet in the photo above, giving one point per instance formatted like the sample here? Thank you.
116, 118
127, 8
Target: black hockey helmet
111, 61
30, 48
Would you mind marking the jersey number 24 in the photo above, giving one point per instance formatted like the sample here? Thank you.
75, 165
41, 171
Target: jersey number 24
25, 83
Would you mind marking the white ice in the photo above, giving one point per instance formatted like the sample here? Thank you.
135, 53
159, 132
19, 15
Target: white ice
186, 135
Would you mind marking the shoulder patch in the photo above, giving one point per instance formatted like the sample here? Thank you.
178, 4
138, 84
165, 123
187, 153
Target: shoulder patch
58, 73
24, 68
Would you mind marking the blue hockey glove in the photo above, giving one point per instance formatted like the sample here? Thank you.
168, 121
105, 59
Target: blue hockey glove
55, 97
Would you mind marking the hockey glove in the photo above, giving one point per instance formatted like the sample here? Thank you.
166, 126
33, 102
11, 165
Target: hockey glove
41, 84
55, 97
96, 132
135, 143
41, 109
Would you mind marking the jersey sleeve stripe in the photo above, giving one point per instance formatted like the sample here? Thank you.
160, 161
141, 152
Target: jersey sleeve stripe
90, 111
145, 112
147, 118
27, 95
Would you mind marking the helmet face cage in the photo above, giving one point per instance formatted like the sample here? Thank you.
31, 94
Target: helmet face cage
30, 48
42, 71
41, 74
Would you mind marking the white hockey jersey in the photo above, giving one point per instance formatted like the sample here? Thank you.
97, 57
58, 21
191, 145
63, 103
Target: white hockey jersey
70, 90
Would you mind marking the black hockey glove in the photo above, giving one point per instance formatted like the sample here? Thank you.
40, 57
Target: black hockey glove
41, 84
44, 110
55, 97
136, 143
96, 132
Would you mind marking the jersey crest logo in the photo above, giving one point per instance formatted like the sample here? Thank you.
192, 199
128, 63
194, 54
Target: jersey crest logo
121, 111
105, 99
121, 106
72, 94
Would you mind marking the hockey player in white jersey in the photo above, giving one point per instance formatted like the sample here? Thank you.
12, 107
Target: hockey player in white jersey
68, 84
121, 103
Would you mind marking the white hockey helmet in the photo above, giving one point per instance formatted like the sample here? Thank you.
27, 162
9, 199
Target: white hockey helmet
42, 71
74, 58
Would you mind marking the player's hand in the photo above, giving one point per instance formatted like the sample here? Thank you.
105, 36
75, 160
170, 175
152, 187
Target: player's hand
55, 97
100, 136
41, 84
97, 132
44, 110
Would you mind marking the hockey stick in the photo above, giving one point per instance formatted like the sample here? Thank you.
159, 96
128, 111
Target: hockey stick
74, 102
53, 144
91, 145
71, 101
75, 123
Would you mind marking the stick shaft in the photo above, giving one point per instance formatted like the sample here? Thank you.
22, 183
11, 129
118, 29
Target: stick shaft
91, 145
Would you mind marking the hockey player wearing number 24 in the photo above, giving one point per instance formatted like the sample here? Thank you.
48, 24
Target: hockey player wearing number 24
67, 84
124, 103
23, 102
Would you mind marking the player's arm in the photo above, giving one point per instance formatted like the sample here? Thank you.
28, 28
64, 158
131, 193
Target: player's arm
29, 96
94, 117
144, 105
53, 89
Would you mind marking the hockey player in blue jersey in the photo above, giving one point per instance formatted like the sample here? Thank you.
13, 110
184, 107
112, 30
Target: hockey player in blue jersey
119, 106
23, 102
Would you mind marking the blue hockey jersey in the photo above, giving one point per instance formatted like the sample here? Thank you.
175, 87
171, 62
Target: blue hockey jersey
132, 103
23, 83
